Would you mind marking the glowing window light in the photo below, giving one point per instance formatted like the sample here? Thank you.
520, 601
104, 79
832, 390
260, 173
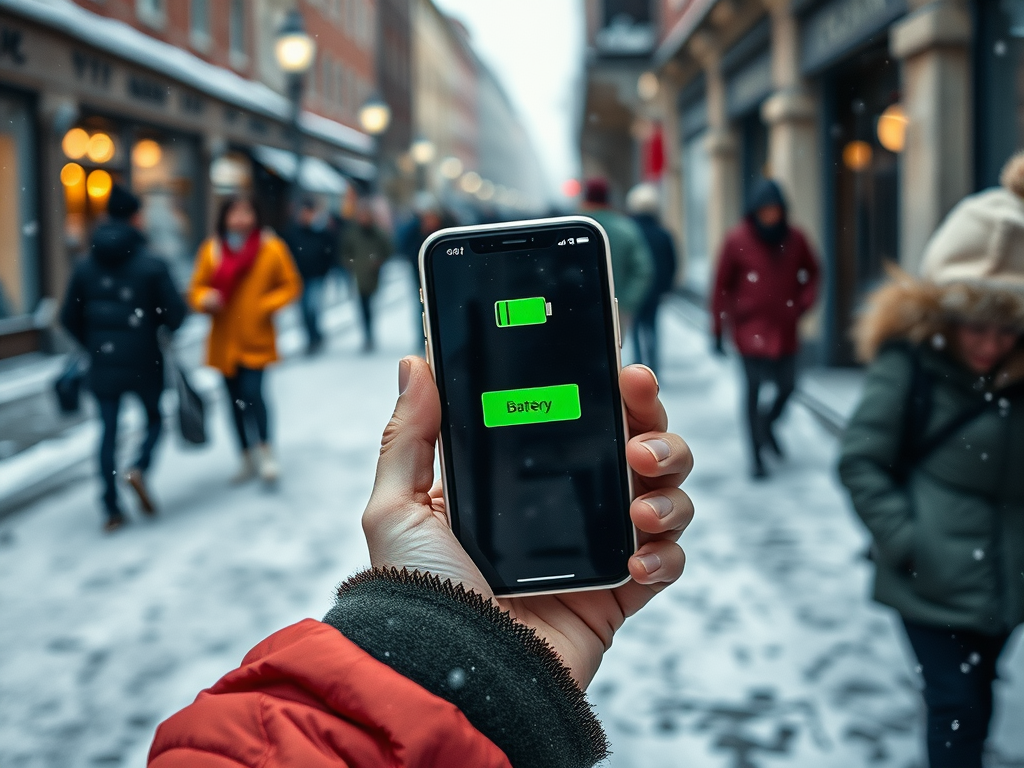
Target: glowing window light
72, 174
98, 184
857, 155
101, 148
147, 154
75, 143
892, 128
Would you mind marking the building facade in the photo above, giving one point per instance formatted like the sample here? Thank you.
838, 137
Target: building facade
481, 161
876, 116
176, 100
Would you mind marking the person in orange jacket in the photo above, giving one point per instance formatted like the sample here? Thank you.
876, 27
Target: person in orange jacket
243, 275
417, 664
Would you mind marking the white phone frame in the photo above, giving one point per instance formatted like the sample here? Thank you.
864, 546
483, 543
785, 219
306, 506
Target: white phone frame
483, 230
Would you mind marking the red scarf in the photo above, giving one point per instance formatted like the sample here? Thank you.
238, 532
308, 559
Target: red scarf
235, 265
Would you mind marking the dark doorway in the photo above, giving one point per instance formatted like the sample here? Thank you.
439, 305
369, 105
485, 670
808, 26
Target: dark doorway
866, 187
753, 152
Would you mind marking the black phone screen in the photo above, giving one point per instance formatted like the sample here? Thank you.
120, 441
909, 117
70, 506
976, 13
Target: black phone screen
525, 356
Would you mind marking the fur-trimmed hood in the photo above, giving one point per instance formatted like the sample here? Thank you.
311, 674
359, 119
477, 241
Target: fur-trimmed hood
921, 312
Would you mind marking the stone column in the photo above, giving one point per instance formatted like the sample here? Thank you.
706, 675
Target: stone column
724, 195
673, 209
791, 115
937, 168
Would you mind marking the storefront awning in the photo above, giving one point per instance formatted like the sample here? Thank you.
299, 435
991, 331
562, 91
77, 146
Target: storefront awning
120, 40
314, 174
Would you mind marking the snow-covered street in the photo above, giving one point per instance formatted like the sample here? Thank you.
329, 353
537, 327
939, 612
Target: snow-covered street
766, 653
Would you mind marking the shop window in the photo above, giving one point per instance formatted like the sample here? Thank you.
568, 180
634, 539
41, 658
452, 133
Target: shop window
236, 28
153, 13
19, 229
199, 23
866, 186
999, 83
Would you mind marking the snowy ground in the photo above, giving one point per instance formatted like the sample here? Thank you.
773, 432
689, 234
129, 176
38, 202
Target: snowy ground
766, 653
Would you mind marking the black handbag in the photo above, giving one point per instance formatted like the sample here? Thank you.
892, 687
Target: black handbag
68, 386
191, 409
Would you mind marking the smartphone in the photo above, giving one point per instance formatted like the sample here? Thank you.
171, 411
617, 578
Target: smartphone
522, 335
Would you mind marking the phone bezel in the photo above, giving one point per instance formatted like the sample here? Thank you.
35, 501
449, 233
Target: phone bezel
612, 306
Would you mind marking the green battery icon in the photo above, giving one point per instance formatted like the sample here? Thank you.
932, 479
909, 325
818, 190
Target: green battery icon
532, 311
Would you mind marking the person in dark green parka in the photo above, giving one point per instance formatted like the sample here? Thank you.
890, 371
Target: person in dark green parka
933, 458
364, 249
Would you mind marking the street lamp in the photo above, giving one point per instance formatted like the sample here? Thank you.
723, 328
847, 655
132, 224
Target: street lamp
422, 152
295, 51
375, 116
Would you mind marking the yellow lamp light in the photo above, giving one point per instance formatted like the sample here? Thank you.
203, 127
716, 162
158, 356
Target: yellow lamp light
892, 128
147, 154
101, 148
75, 143
451, 167
72, 174
857, 155
98, 184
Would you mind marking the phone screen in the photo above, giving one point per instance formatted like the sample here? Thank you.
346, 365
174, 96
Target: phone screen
525, 355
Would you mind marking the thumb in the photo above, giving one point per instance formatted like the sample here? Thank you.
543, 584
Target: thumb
405, 469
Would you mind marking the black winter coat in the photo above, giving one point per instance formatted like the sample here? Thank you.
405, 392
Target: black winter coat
116, 301
663, 252
313, 250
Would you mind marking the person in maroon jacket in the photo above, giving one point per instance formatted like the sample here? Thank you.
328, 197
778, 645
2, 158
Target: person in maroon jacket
767, 277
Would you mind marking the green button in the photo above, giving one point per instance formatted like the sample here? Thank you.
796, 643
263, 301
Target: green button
531, 406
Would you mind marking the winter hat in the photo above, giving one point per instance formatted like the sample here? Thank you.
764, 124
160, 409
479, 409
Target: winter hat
643, 199
981, 241
596, 191
122, 204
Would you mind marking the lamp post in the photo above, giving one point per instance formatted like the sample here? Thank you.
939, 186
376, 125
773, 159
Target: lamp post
375, 117
422, 151
295, 51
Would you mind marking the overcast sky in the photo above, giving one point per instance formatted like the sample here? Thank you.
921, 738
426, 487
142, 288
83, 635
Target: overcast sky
536, 49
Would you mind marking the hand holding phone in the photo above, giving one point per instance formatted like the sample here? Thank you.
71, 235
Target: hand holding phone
406, 525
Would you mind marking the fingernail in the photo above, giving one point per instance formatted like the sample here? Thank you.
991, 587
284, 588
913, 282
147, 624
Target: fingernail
404, 369
651, 562
653, 376
659, 449
661, 505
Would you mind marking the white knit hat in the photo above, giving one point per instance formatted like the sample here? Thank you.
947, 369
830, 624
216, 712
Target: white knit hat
981, 241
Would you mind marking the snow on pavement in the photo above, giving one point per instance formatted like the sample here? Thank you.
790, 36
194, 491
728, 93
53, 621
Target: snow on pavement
766, 653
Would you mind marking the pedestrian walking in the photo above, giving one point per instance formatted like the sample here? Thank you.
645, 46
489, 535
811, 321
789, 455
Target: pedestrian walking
364, 250
426, 220
243, 275
933, 458
312, 245
632, 265
766, 279
414, 665
117, 301
643, 203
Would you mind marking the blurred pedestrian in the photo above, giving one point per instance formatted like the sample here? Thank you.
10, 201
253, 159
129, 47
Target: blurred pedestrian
243, 275
312, 245
117, 301
632, 265
766, 279
427, 219
416, 665
933, 458
644, 203
363, 252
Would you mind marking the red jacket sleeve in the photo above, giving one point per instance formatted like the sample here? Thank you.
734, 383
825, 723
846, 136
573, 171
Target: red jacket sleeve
308, 696
722, 293
809, 276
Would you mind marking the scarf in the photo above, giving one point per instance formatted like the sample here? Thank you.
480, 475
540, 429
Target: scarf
235, 265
